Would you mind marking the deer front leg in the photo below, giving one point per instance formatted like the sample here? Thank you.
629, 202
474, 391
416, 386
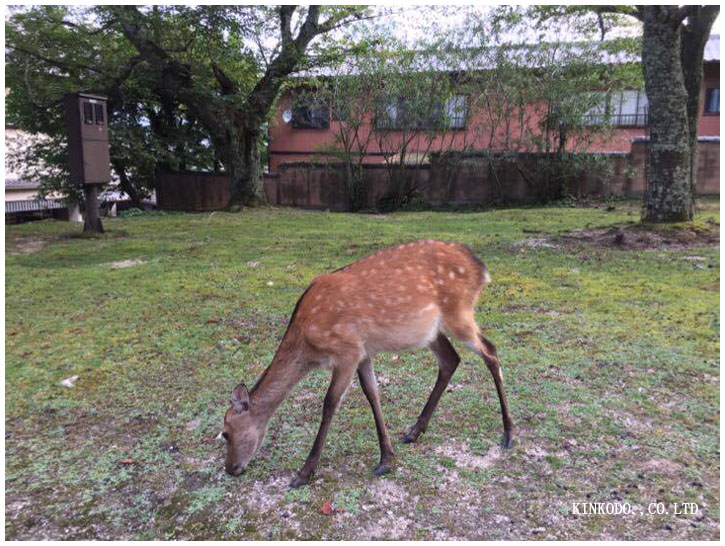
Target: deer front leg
369, 385
448, 361
341, 379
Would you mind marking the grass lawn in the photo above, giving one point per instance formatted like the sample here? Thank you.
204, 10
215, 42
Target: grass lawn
610, 356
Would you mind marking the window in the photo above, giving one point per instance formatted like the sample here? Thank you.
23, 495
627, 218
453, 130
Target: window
457, 111
629, 109
88, 113
712, 101
311, 114
620, 108
98, 109
597, 113
439, 115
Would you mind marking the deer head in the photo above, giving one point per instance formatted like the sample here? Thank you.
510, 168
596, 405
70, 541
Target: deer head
242, 433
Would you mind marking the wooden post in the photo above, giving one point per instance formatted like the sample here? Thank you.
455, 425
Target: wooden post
92, 220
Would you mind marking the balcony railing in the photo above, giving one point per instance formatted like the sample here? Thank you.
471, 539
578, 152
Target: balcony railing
618, 120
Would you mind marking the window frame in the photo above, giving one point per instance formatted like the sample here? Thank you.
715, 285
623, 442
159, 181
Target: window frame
310, 104
429, 124
612, 111
708, 98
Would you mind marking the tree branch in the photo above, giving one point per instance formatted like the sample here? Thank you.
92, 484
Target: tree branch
688, 11
634, 11
56, 62
103, 28
228, 86
285, 22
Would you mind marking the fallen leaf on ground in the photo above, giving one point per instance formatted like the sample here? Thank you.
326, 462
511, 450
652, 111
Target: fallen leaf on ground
127, 461
327, 508
212, 321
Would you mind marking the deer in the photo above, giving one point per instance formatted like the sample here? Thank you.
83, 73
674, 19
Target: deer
400, 298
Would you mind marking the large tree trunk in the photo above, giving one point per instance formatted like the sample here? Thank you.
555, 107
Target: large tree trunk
239, 144
694, 37
241, 159
668, 197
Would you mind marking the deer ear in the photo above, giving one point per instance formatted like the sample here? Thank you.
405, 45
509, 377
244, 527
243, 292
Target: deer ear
240, 398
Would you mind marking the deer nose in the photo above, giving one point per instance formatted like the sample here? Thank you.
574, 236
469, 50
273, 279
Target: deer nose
236, 469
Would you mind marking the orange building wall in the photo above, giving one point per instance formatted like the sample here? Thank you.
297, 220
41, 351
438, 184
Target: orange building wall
289, 144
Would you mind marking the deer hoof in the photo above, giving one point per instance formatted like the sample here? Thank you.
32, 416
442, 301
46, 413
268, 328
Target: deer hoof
411, 436
507, 442
381, 469
298, 482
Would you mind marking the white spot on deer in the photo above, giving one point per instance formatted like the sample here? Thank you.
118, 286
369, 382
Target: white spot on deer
461, 270
429, 307
420, 287
451, 274
439, 269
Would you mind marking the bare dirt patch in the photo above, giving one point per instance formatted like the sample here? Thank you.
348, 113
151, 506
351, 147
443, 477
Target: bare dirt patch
126, 263
638, 237
536, 242
28, 245
662, 466
461, 454
387, 492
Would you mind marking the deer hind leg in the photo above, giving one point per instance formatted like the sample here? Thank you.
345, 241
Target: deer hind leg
369, 385
448, 361
487, 351
466, 330
342, 376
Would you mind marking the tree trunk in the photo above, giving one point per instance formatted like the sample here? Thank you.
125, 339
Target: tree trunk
126, 186
694, 38
241, 160
668, 197
92, 221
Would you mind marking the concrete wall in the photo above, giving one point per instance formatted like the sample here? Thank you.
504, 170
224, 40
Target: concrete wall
192, 191
469, 179
707, 165
473, 180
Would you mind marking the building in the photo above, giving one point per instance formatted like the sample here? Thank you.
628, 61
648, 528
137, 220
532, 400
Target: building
301, 135
21, 199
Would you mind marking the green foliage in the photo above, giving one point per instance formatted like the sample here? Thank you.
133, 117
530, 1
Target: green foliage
54, 50
539, 97
182, 108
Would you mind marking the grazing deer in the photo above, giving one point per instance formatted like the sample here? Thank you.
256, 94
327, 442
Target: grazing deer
399, 298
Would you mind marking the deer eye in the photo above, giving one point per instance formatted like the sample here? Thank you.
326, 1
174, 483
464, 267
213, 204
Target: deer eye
225, 435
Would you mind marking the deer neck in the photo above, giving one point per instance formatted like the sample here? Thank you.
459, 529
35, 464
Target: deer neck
286, 370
